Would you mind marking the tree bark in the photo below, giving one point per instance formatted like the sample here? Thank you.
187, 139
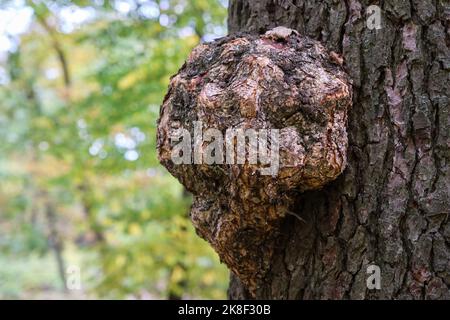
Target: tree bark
390, 207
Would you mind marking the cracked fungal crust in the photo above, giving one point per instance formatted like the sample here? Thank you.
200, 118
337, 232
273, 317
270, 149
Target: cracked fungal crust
279, 80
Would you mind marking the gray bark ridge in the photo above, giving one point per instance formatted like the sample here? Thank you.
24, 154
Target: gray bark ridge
390, 207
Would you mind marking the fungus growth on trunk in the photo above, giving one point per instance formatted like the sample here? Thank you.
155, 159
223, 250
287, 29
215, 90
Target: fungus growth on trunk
284, 99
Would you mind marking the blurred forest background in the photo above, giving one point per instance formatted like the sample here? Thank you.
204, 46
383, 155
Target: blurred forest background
80, 184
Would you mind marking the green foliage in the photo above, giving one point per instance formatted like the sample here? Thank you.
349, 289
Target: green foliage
77, 134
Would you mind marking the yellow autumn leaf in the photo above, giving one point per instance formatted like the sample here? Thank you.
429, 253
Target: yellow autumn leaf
146, 214
120, 261
131, 79
115, 205
208, 278
192, 41
107, 221
177, 274
134, 229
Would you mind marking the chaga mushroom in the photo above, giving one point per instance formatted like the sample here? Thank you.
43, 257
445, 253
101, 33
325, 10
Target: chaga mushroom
279, 94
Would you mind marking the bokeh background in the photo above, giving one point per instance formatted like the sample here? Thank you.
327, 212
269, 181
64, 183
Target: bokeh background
80, 184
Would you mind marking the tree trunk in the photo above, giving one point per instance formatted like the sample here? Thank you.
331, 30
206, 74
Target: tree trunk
55, 242
390, 207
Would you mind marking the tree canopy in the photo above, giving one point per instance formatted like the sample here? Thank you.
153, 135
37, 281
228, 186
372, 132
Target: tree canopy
80, 89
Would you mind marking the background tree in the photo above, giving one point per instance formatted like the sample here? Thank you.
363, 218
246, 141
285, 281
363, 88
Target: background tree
391, 205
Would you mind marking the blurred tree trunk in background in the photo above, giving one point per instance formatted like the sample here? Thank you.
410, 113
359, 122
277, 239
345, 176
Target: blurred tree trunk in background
55, 240
390, 207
